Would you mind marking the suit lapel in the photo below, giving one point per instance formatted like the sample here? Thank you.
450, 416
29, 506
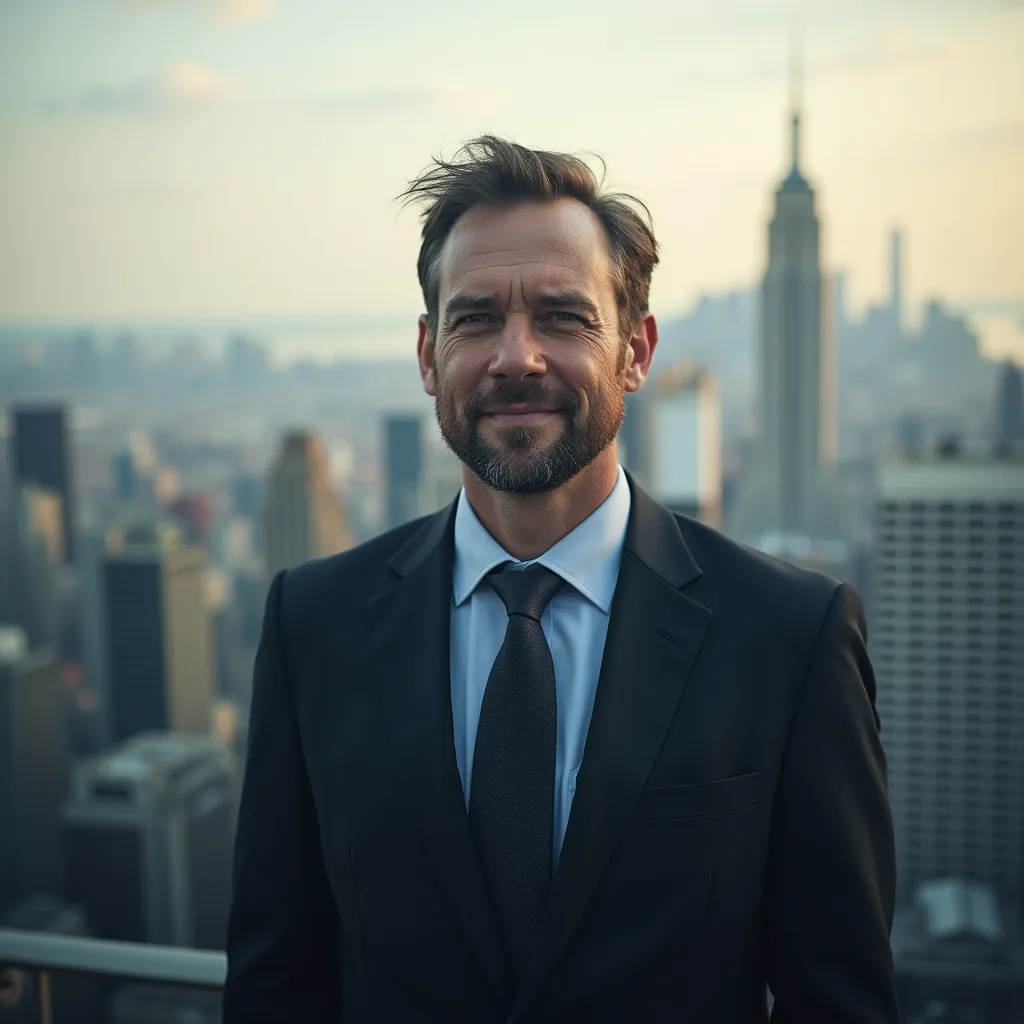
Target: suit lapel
411, 631
654, 635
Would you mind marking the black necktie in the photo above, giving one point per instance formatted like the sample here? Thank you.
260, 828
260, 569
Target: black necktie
512, 792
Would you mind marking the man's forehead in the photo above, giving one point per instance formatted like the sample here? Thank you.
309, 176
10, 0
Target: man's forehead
562, 239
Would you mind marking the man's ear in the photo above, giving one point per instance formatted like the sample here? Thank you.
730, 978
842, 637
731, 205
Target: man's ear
640, 352
425, 355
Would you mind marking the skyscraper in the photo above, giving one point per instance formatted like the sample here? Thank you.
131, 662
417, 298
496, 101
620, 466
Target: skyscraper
896, 279
948, 649
403, 467
34, 548
159, 645
797, 415
34, 767
149, 828
40, 455
1008, 428
674, 441
302, 517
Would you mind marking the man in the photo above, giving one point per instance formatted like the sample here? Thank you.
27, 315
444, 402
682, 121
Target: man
555, 753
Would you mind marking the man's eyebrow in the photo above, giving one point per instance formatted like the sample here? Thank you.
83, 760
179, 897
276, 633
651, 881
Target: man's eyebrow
570, 301
468, 302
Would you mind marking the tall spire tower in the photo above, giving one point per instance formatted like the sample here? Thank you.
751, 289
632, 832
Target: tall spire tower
796, 406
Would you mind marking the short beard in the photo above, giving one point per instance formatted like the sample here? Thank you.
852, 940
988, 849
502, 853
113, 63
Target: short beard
512, 471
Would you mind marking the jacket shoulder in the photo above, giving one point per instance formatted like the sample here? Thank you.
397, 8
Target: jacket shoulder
338, 580
754, 577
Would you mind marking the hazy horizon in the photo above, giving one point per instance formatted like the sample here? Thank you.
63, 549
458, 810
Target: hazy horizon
225, 158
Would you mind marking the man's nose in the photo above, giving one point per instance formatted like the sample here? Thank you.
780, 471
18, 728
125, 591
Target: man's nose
518, 352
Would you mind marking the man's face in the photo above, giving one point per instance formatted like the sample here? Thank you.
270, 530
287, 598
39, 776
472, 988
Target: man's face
527, 366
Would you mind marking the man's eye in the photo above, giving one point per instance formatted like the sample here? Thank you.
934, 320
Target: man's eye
472, 318
566, 318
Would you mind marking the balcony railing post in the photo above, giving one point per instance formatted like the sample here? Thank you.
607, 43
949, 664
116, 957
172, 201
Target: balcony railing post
44, 995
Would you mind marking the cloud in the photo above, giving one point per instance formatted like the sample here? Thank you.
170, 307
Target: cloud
230, 11
401, 101
180, 90
377, 101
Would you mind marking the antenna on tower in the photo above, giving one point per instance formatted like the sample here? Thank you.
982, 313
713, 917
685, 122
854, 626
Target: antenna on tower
796, 85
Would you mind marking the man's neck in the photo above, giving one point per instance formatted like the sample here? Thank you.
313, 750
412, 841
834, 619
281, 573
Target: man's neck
527, 525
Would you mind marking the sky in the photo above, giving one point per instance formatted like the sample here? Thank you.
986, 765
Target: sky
197, 158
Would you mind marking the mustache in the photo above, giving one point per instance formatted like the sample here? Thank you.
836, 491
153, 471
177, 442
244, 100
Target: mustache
524, 392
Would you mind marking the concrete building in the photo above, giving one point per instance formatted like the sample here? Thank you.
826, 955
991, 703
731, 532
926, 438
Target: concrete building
1008, 426
673, 441
158, 655
403, 468
796, 370
40, 455
34, 767
149, 827
302, 516
948, 648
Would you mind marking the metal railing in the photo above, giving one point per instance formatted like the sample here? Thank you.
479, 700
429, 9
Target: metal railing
40, 955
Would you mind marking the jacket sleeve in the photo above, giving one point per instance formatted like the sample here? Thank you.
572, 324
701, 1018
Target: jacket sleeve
282, 963
832, 873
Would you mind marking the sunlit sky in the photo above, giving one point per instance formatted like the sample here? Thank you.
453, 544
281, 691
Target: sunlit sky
171, 158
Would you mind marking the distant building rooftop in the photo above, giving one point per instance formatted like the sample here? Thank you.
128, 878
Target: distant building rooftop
13, 644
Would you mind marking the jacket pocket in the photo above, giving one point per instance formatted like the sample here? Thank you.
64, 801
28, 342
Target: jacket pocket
699, 800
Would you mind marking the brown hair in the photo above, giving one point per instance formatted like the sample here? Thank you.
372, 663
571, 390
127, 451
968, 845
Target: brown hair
492, 171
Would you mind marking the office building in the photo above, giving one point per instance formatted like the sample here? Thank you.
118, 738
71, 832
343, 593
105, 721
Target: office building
441, 480
158, 656
302, 516
33, 539
34, 767
948, 650
40, 455
148, 828
672, 441
1008, 427
797, 406
133, 469
403, 468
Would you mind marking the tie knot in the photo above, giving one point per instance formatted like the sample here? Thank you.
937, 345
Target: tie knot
526, 591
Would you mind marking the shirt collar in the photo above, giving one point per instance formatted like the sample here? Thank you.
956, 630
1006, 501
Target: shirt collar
587, 557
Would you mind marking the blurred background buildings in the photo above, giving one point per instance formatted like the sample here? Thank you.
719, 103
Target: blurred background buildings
154, 477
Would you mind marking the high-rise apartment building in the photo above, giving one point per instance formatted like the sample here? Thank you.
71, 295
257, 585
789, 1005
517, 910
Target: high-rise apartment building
302, 516
1009, 412
40, 455
158, 655
403, 468
34, 768
947, 642
673, 441
149, 826
797, 408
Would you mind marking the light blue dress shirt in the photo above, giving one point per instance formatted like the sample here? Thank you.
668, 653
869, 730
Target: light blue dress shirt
575, 624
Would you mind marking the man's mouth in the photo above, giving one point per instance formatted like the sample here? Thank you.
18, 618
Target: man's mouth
520, 415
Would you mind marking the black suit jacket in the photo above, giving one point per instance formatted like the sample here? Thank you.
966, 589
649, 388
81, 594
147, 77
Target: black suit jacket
730, 827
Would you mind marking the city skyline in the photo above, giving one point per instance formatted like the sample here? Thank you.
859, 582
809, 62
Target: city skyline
242, 146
